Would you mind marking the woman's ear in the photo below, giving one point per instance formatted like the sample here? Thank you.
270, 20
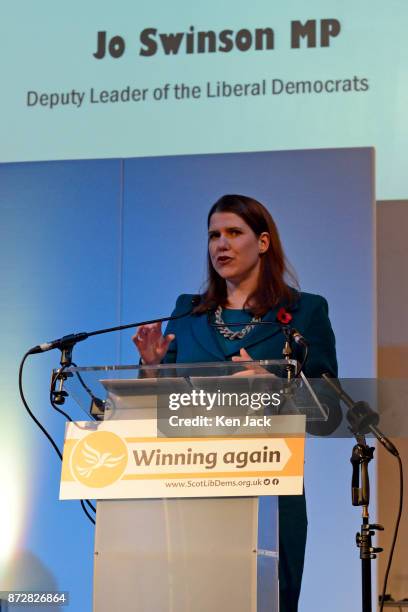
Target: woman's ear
264, 242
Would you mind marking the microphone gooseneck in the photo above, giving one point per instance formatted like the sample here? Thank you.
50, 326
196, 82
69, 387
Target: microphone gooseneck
69, 341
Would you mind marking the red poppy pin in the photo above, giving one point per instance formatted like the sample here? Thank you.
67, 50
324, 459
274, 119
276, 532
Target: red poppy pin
283, 316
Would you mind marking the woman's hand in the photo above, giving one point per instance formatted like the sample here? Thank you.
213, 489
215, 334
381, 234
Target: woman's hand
255, 370
244, 356
151, 343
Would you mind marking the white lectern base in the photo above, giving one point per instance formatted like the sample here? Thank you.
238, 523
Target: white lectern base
183, 555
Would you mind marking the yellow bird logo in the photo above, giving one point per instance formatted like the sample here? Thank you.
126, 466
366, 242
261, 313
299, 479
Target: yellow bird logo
99, 459
96, 460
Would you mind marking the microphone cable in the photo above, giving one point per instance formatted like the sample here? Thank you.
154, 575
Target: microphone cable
42, 428
303, 362
54, 379
394, 539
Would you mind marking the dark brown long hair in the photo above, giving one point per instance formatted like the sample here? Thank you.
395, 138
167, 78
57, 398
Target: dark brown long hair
277, 281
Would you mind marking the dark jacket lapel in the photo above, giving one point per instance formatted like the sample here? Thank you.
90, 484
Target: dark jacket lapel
206, 336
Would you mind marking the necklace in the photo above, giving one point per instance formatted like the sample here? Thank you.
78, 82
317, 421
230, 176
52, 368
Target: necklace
227, 332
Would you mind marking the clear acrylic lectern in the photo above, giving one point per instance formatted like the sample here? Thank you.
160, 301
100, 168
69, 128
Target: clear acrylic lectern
198, 554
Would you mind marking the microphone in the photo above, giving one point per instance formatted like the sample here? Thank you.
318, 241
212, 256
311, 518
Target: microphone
361, 416
59, 343
70, 340
298, 338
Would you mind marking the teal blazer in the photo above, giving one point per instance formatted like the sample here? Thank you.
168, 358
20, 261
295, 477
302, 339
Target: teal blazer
197, 341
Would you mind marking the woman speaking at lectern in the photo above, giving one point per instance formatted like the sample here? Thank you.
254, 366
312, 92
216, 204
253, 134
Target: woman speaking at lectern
248, 282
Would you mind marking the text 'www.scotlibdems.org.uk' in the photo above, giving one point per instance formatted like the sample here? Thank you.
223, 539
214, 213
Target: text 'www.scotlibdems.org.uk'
216, 482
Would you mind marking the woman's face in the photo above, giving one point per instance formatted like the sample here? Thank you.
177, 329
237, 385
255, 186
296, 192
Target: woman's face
234, 248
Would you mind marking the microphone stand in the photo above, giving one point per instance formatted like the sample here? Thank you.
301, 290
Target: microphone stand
363, 419
287, 353
361, 455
